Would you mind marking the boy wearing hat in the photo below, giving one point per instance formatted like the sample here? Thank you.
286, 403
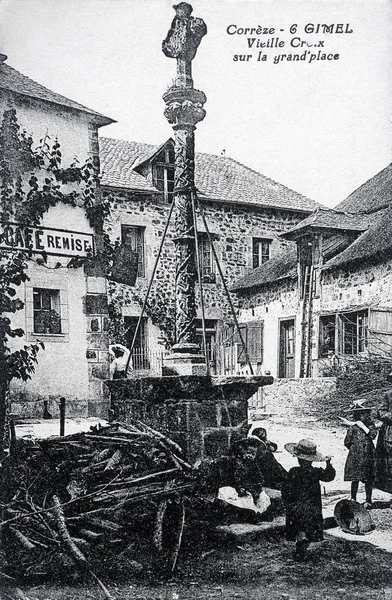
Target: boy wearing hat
301, 495
360, 463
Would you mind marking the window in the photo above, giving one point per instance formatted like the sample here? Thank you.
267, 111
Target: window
346, 333
353, 328
327, 335
260, 251
46, 311
206, 259
164, 173
133, 237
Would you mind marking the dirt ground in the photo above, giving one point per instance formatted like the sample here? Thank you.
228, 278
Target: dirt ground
260, 570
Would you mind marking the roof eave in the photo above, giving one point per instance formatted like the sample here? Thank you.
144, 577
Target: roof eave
261, 284
253, 204
298, 233
100, 120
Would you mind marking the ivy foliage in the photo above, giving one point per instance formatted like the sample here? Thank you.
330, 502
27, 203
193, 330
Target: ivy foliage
32, 180
160, 307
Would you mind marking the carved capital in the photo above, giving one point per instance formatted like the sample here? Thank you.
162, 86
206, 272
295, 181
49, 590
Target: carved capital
184, 106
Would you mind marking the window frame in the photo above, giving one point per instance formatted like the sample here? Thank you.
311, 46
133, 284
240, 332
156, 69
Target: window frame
346, 327
52, 297
358, 342
211, 337
163, 182
259, 255
324, 322
55, 282
139, 241
207, 272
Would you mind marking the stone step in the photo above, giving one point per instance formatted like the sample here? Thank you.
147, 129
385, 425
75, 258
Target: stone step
249, 531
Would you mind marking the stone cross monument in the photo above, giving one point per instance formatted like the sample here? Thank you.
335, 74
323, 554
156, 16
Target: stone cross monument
184, 108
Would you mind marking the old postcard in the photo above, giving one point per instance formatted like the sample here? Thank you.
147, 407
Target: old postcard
195, 299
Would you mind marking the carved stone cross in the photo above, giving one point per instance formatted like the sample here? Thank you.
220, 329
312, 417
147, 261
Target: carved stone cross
182, 42
184, 108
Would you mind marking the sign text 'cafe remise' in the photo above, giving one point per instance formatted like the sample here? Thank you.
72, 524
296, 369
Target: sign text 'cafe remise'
45, 240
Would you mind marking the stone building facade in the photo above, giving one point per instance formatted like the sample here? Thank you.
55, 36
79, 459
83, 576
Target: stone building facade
245, 213
75, 360
326, 299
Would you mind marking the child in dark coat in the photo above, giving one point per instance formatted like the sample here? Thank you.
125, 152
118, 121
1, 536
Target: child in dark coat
274, 474
236, 480
360, 463
301, 495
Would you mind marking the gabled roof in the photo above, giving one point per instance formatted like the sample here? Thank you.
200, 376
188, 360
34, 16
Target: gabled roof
217, 178
324, 219
281, 266
374, 194
12, 80
149, 157
375, 243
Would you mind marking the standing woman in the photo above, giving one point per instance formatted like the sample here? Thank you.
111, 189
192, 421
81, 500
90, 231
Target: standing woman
360, 463
384, 444
119, 354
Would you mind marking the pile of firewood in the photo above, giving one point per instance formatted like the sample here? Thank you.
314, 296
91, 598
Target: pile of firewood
93, 502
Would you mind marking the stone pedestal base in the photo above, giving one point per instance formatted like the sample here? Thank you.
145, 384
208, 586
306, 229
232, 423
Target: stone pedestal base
202, 414
185, 363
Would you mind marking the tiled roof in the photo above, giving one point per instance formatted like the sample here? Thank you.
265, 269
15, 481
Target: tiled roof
371, 246
216, 177
281, 266
324, 218
374, 194
12, 80
375, 243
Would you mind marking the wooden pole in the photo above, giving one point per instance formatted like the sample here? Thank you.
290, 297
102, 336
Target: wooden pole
62, 417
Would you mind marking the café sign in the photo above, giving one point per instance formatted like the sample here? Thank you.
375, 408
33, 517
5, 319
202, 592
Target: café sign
45, 240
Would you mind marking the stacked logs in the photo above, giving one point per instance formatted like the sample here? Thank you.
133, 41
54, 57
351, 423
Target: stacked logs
109, 499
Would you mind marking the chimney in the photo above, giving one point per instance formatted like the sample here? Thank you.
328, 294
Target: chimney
3, 58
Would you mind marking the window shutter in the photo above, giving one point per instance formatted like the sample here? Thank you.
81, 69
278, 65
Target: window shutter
241, 354
380, 331
140, 251
255, 341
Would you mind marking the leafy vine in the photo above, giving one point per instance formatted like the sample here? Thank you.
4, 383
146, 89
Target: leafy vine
31, 182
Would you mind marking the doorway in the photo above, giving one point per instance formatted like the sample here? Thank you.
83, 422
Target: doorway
287, 348
140, 353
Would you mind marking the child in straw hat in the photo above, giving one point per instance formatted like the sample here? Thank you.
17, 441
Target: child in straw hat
360, 463
301, 495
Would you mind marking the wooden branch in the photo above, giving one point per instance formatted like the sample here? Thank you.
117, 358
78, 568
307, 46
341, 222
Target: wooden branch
157, 538
23, 540
104, 589
70, 545
114, 461
137, 480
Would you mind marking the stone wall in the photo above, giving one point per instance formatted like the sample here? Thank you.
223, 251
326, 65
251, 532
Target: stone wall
204, 415
296, 399
351, 288
233, 226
